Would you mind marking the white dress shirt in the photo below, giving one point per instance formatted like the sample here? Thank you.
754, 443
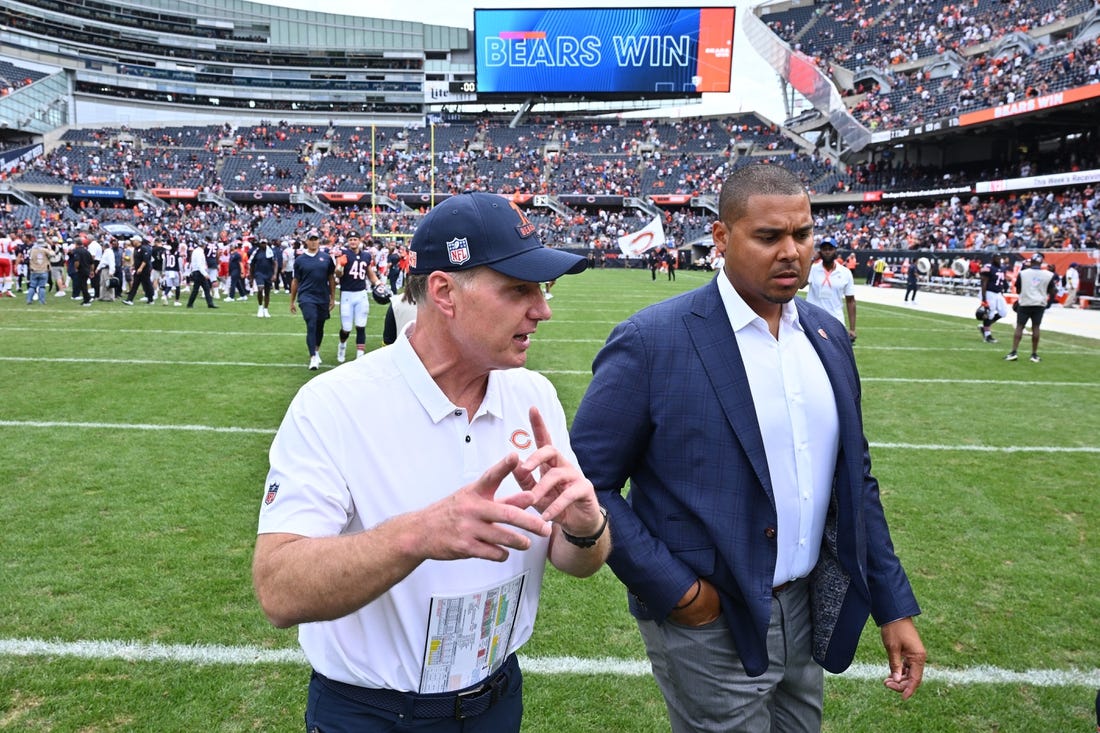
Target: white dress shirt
107, 261
797, 415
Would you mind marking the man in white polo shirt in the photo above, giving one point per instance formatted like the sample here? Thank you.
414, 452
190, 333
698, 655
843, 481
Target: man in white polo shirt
412, 556
832, 287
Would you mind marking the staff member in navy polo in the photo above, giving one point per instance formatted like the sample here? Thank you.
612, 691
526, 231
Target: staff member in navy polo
313, 287
264, 265
412, 557
143, 271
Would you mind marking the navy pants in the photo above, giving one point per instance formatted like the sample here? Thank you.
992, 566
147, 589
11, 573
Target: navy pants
145, 281
315, 316
236, 286
198, 280
329, 711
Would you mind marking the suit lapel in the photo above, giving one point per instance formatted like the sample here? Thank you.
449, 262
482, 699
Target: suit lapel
716, 344
849, 472
835, 361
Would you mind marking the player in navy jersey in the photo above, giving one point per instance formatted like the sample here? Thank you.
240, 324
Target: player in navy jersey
210, 251
170, 279
313, 287
264, 265
238, 272
157, 263
355, 269
994, 284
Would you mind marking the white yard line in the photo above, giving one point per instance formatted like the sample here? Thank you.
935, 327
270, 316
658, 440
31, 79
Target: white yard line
270, 431
209, 654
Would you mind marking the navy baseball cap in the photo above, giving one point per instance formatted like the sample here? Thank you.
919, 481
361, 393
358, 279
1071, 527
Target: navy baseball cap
473, 229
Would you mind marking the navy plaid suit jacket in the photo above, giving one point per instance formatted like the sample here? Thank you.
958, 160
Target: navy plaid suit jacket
669, 408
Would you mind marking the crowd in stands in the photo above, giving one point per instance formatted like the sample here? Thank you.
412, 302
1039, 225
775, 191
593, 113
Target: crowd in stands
897, 39
900, 39
14, 77
1063, 219
854, 33
557, 156
552, 156
985, 82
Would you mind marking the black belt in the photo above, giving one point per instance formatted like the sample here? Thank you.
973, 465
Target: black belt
457, 705
784, 586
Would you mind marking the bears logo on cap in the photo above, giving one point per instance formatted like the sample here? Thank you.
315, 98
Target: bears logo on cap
525, 228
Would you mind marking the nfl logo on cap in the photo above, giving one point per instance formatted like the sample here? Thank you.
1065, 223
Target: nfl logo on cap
458, 251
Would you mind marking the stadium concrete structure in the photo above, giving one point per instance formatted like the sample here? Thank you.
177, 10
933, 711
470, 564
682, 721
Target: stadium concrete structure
916, 109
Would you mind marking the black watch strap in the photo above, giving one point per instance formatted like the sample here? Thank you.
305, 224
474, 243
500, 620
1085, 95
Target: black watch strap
591, 539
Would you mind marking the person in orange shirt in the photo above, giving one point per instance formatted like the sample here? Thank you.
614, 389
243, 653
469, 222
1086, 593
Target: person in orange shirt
223, 271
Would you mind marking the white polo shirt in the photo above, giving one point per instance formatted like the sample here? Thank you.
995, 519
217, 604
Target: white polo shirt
828, 289
374, 438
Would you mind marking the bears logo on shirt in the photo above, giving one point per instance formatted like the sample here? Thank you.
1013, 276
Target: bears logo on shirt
520, 439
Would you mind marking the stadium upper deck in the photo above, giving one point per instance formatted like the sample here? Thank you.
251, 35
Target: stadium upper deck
330, 78
923, 69
166, 61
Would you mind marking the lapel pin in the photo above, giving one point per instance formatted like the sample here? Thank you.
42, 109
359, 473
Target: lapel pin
822, 334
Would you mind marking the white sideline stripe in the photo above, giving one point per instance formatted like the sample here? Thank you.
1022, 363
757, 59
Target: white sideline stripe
158, 331
990, 448
151, 362
269, 431
998, 382
1067, 349
575, 372
130, 426
901, 380
202, 654
1073, 350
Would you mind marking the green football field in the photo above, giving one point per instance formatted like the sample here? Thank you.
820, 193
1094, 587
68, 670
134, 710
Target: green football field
133, 449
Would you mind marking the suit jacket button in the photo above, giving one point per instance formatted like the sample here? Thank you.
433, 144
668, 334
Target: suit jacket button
770, 533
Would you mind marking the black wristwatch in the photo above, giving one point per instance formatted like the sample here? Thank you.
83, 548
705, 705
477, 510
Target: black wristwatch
591, 539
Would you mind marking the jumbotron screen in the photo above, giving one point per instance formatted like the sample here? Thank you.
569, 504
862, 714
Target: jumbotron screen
667, 51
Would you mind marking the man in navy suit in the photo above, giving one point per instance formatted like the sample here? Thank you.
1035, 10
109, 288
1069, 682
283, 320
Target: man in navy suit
753, 544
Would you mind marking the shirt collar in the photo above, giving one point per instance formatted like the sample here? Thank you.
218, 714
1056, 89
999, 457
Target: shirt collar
428, 393
741, 315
